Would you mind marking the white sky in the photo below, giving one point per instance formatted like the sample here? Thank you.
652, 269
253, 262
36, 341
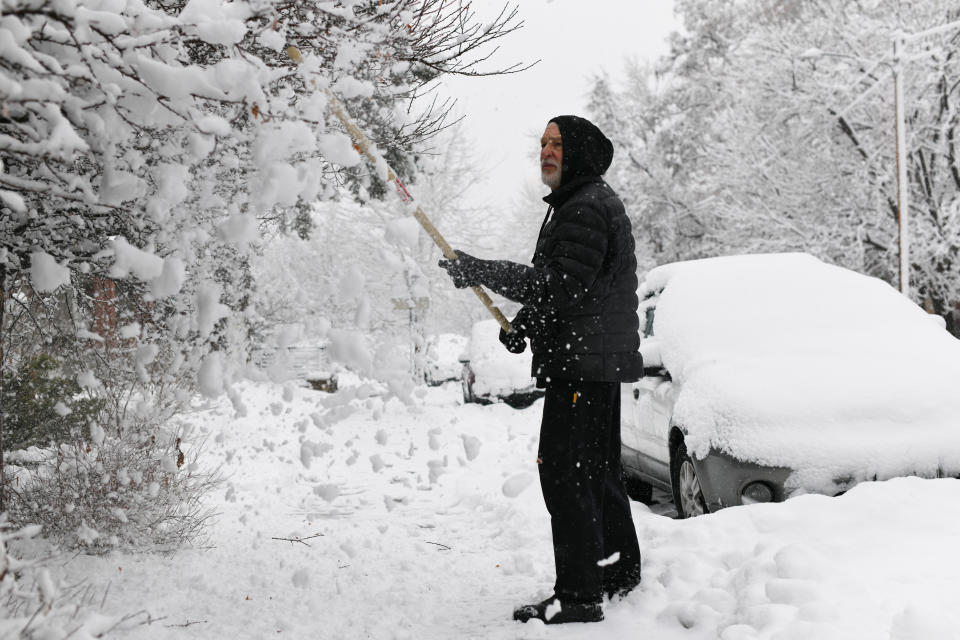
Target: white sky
504, 116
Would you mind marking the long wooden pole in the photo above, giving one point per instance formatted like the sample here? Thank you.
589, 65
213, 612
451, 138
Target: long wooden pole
366, 149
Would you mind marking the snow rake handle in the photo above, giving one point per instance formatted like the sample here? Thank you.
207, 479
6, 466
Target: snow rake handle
364, 148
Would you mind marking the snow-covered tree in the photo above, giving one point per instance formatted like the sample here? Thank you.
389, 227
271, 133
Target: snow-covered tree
168, 126
146, 144
771, 127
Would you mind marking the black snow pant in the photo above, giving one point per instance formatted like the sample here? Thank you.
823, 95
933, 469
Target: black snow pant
582, 487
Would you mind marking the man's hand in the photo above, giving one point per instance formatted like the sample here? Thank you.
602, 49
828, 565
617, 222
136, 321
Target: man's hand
523, 322
465, 271
515, 342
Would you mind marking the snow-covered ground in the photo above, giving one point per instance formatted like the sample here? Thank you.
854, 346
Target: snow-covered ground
347, 516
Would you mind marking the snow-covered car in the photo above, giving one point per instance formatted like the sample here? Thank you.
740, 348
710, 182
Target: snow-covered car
491, 373
442, 361
775, 375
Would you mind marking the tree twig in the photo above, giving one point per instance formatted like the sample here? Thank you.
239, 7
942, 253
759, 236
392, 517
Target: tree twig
188, 623
440, 545
300, 540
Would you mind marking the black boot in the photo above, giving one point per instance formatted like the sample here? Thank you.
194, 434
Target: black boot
618, 589
553, 611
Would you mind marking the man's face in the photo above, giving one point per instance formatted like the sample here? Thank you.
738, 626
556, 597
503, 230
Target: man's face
551, 156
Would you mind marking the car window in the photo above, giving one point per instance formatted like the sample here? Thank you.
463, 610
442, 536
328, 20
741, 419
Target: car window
648, 307
648, 322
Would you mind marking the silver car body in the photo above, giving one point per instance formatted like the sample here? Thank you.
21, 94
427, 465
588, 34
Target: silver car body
646, 449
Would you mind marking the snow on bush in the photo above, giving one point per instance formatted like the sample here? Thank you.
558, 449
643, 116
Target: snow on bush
137, 489
108, 467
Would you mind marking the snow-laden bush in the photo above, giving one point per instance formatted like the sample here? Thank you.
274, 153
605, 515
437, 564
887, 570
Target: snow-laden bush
135, 489
104, 469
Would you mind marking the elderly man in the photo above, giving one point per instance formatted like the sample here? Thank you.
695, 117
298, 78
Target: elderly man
580, 315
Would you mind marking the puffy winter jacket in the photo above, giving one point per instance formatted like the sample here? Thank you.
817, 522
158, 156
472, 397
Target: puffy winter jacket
580, 296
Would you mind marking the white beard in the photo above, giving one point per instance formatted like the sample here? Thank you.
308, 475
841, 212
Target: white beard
552, 180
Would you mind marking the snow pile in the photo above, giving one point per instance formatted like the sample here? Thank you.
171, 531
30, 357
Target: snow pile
866, 565
788, 361
498, 372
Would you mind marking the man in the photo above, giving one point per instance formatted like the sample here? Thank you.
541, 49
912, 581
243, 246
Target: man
580, 314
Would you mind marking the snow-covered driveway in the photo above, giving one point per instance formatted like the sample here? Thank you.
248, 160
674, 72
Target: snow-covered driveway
345, 516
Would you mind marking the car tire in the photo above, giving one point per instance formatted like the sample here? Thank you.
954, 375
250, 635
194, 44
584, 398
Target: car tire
637, 489
687, 494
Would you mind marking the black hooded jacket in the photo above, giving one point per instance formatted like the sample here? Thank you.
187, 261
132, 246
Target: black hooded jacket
580, 295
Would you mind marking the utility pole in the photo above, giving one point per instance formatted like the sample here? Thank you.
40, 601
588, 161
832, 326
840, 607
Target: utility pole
900, 42
903, 184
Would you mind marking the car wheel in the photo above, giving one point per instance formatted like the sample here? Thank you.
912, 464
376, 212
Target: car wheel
687, 494
637, 489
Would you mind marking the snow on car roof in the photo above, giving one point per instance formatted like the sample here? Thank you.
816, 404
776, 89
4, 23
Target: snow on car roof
788, 361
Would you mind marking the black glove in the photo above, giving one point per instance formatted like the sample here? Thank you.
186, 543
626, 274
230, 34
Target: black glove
516, 342
466, 271
524, 321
